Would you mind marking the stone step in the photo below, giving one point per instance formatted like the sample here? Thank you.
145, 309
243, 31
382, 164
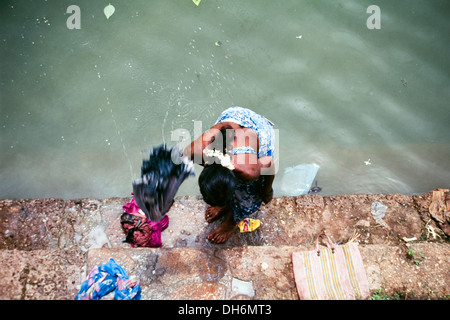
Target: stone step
54, 274
266, 272
47, 246
289, 221
194, 273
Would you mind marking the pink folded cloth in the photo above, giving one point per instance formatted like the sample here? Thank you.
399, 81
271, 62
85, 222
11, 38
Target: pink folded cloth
131, 207
140, 231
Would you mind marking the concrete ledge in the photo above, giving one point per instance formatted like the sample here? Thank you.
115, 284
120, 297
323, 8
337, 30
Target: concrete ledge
92, 223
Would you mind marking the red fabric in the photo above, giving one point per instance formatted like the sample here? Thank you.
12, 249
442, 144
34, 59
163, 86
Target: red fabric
131, 207
148, 234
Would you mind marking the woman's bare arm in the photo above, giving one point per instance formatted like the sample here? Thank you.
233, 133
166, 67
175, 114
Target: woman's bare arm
194, 151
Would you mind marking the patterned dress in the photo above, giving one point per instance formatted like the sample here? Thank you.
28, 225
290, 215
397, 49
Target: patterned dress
246, 199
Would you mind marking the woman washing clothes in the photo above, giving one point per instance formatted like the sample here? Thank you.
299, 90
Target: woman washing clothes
237, 155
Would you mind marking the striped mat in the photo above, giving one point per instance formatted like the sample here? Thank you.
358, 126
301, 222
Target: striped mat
331, 276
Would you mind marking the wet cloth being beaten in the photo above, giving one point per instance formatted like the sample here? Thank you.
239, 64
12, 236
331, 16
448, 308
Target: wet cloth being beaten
161, 177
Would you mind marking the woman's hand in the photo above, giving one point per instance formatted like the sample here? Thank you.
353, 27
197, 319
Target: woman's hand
194, 151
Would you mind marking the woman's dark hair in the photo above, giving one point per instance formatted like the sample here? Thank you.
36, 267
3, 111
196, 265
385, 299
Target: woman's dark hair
217, 185
216, 182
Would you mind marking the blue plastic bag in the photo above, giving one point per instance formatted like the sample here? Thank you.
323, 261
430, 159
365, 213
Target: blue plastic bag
299, 179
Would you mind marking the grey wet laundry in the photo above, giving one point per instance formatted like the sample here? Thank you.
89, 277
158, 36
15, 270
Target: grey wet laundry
161, 176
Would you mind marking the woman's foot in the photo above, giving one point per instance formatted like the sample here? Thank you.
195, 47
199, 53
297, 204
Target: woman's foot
224, 231
214, 213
